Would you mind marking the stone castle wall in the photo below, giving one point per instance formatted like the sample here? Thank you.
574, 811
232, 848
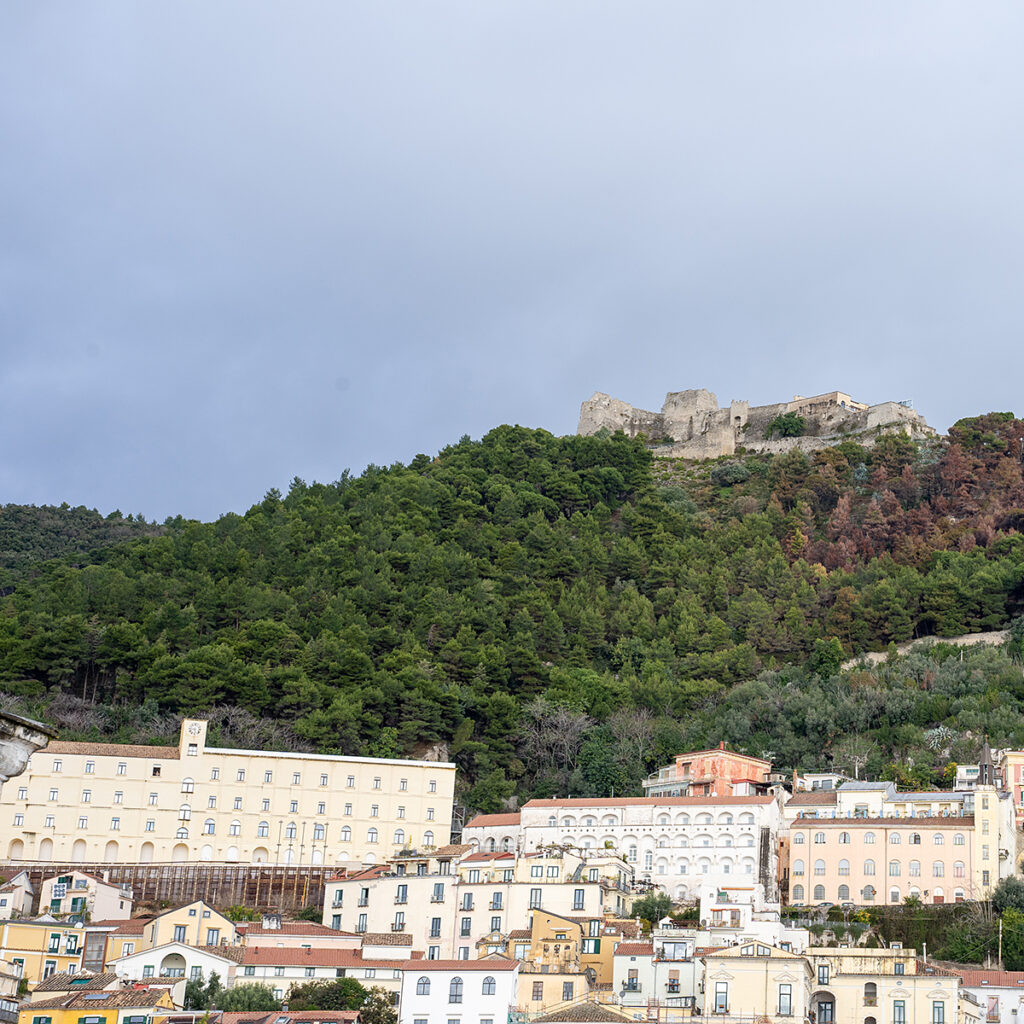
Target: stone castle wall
699, 429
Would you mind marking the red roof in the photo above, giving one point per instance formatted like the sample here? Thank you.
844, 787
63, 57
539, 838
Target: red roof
661, 801
988, 979
279, 956
487, 964
291, 928
485, 820
634, 949
489, 856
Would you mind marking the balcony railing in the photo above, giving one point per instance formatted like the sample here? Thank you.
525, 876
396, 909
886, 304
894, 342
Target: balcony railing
437, 899
871, 1000
336, 904
398, 926
364, 902
633, 986
401, 899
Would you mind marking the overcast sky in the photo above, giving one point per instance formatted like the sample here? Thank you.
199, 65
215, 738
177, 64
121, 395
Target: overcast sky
241, 242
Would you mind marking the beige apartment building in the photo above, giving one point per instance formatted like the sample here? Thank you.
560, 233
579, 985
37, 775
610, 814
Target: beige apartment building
865, 843
108, 802
461, 904
78, 892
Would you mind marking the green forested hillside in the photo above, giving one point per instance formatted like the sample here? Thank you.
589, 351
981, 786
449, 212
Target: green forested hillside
562, 613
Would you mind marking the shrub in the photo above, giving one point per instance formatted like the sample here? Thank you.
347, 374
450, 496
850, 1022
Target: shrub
730, 473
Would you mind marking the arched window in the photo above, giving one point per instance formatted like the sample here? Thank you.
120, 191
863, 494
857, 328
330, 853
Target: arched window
428, 839
182, 833
703, 819
914, 869
869, 867
894, 839
747, 819
844, 838
566, 822
958, 839
489, 987
938, 839
235, 828
346, 834
798, 866
798, 839
648, 860
869, 837
798, 893
915, 838
263, 829
868, 893
423, 986
552, 821
958, 869
725, 819
209, 827
819, 893
290, 830
319, 831
399, 837
870, 993
491, 845
894, 869
632, 855
894, 895
184, 812
844, 892
819, 867
662, 819
188, 786
371, 836
819, 837
844, 867
455, 991
590, 822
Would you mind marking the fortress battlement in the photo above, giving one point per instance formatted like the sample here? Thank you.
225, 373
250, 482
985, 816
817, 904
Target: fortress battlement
695, 427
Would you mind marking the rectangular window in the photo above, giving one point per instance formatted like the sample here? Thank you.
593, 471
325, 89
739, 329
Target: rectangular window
265, 805
83, 822
438, 896
376, 782
321, 808
401, 812
214, 774
898, 968
430, 814
433, 952
53, 794
466, 927
58, 766
150, 824
268, 776
152, 799
293, 807
566, 991
535, 899
19, 820
578, 898
785, 1000
721, 997
213, 936
899, 1011
361, 924
432, 786
23, 795
350, 781
296, 779
241, 775
374, 810
250, 971
193, 750
823, 974
938, 1012
90, 767
179, 933
50, 821
435, 928
147, 971
495, 924
115, 824
310, 972
118, 796
538, 991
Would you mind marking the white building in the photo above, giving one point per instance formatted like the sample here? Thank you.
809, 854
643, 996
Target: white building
458, 992
78, 892
676, 842
177, 960
1000, 994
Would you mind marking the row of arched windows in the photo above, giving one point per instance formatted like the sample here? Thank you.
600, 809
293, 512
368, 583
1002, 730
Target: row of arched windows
590, 821
914, 839
456, 987
868, 893
895, 868
291, 831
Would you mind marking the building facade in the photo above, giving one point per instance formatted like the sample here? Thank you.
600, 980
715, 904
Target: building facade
677, 843
458, 992
102, 802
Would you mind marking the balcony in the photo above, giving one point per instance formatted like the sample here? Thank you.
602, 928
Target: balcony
398, 926
336, 904
364, 901
633, 986
437, 899
494, 906
401, 899
871, 1000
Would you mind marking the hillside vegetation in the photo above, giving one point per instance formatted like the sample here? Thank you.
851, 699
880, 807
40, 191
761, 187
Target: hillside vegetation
561, 613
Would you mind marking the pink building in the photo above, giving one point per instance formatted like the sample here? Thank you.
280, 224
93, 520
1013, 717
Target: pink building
717, 772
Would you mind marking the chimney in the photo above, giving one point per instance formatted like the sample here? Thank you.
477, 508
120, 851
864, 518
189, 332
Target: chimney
721, 745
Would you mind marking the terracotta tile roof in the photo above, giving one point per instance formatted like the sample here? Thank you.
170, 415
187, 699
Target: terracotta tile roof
495, 855
705, 950
77, 981
628, 928
634, 949
111, 749
99, 1000
452, 850
131, 926
485, 820
520, 933
659, 801
585, 1013
387, 939
227, 952
324, 1016
290, 928
275, 956
815, 796
491, 963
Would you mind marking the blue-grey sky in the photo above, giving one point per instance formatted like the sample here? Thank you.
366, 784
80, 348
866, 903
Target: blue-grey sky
244, 241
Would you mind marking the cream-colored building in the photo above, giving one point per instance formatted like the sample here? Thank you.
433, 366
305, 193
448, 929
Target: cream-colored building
96, 802
882, 986
78, 892
454, 902
42, 947
755, 980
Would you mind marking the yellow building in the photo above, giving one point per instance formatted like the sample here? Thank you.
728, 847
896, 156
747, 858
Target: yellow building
757, 980
121, 1006
41, 947
93, 802
881, 986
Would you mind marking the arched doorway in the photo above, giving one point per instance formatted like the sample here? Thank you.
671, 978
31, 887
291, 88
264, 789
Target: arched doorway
172, 966
318, 856
78, 851
260, 855
180, 852
16, 850
46, 849
146, 853
110, 852
206, 853
232, 853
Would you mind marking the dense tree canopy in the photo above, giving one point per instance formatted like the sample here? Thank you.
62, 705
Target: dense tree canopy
555, 614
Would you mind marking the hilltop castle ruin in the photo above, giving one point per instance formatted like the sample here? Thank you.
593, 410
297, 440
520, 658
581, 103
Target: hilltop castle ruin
692, 426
